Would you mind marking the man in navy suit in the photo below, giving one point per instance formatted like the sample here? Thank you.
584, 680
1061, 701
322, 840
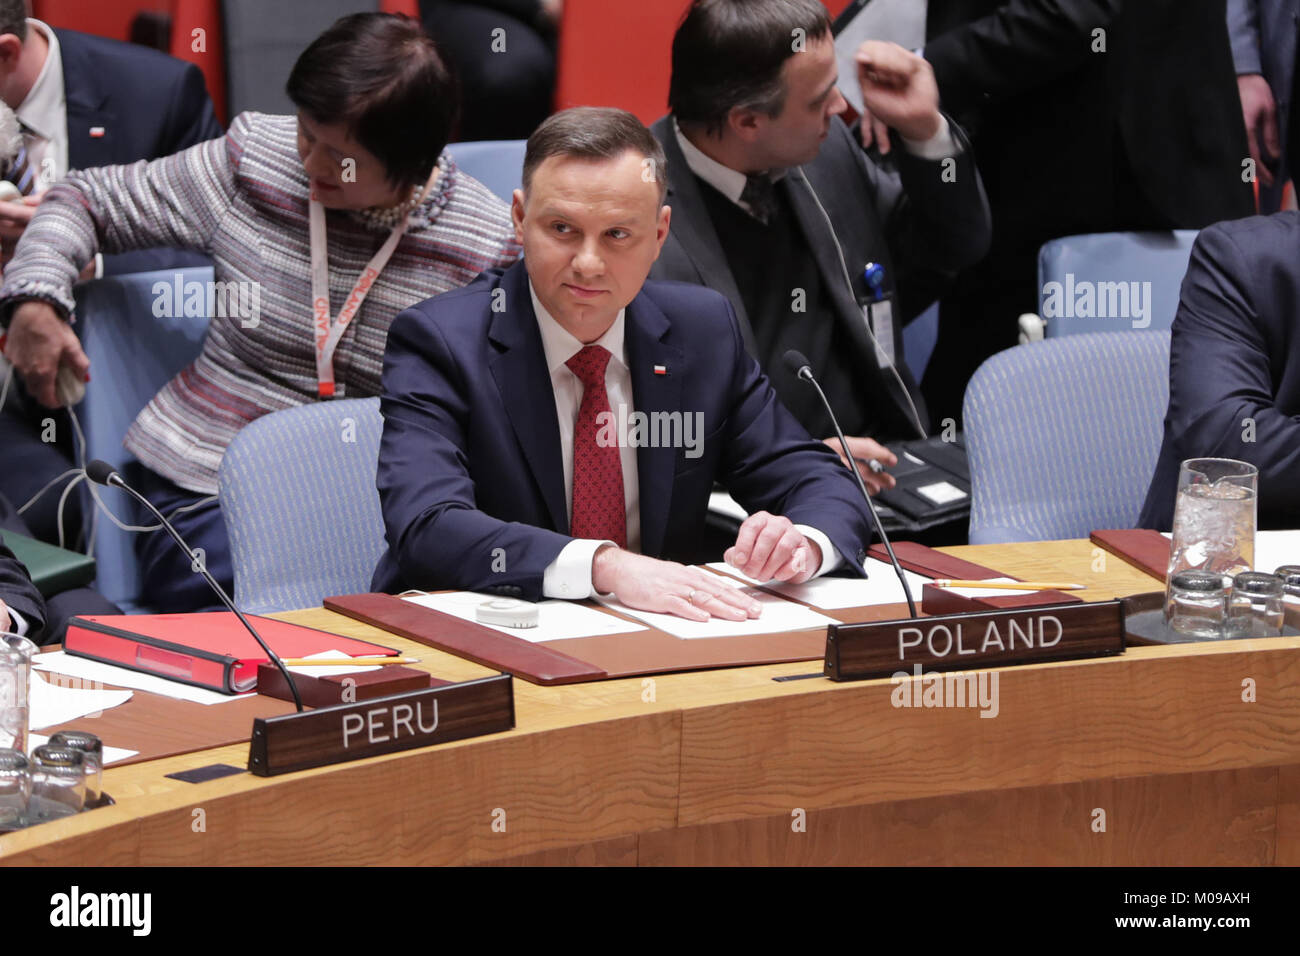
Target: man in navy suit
1234, 365
555, 430
84, 101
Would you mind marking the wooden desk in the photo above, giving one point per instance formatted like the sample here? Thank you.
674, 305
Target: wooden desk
715, 767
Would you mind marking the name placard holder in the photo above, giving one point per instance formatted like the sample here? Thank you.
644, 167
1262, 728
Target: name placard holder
383, 725
975, 640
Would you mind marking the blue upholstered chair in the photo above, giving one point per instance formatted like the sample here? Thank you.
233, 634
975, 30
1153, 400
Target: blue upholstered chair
133, 352
298, 492
1063, 435
497, 164
1104, 267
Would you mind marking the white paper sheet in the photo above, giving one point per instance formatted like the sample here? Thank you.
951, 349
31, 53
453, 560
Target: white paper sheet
51, 705
59, 662
778, 615
897, 21
558, 620
111, 754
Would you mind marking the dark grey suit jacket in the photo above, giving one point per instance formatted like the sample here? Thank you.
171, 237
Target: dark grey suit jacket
1263, 34
898, 210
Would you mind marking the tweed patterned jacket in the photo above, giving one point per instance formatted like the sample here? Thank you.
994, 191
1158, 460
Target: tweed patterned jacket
243, 200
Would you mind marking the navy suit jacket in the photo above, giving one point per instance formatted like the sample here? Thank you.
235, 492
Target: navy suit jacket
1234, 365
148, 104
470, 476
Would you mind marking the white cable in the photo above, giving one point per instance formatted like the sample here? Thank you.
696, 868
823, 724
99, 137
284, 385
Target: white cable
63, 499
50, 484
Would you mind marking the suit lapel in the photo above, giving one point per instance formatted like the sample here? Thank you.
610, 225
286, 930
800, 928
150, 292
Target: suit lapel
646, 334
694, 230
524, 382
826, 251
88, 108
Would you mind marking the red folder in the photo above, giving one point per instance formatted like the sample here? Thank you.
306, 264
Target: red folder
211, 649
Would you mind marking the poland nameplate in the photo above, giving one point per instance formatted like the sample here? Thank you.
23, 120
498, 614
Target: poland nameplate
1050, 632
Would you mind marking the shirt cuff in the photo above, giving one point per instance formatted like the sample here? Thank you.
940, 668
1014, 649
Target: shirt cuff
830, 557
569, 575
20, 623
99, 265
941, 145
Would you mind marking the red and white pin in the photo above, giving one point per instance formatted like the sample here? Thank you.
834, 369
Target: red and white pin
661, 369
97, 132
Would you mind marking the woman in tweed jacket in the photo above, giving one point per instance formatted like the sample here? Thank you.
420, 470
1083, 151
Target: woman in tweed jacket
375, 109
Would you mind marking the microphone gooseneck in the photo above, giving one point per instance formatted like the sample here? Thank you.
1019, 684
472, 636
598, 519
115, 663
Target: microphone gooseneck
797, 363
103, 473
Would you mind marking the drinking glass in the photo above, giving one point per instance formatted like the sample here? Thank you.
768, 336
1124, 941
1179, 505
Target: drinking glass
15, 683
1214, 518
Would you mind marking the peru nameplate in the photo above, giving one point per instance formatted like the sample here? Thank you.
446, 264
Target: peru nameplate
383, 725
969, 641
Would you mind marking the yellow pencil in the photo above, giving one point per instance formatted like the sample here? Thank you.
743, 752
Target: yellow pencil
1009, 585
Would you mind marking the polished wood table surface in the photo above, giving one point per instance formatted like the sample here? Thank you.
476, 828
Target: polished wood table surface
1166, 755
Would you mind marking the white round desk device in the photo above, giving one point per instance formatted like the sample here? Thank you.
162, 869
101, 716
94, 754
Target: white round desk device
507, 612
9, 192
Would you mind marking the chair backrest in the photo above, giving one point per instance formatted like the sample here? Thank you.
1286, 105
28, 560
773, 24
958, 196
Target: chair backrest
1063, 435
262, 42
298, 493
497, 163
137, 339
1112, 281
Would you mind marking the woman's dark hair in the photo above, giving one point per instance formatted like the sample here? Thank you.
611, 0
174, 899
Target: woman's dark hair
729, 53
381, 76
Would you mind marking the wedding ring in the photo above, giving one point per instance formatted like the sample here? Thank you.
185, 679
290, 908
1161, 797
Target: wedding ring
690, 598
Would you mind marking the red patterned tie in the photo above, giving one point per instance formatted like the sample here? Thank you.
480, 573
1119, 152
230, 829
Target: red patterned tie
598, 507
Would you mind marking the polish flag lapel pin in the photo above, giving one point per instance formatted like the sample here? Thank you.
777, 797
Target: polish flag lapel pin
97, 132
661, 369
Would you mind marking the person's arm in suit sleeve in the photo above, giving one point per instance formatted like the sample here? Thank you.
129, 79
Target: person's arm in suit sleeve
437, 535
1020, 45
1243, 31
770, 463
19, 594
1219, 371
935, 211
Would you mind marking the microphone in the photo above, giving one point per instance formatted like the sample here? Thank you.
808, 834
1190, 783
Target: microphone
798, 363
102, 473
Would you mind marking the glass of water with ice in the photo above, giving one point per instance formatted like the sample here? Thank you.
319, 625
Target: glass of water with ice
1214, 517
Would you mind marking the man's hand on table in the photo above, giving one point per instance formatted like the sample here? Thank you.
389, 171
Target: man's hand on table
667, 587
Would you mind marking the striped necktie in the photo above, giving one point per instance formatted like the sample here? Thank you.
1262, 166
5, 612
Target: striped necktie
21, 174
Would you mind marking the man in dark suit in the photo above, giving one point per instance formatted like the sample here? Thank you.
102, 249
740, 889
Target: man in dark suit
555, 430
1234, 366
778, 207
84, 101
1264, 34
1086, 116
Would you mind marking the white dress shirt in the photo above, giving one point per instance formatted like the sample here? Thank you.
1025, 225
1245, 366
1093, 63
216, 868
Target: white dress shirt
45, 111
569, 575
